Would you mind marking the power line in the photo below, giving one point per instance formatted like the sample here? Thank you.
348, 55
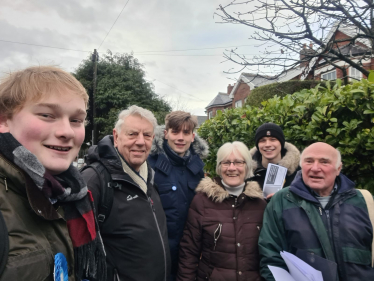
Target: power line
113, 24
45, 46
175, 88
197, 49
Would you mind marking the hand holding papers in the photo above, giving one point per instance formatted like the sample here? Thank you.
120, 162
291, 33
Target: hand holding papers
298, 270
274, 179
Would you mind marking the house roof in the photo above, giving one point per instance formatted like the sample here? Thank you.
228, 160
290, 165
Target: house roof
252, 80
201, 120
349, 30
220, 99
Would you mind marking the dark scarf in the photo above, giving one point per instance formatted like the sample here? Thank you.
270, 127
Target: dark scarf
70, 190
173, 156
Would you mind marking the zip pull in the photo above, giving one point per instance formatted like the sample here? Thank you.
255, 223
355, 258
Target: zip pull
236, 200
6, 185
217, 234
151, 203
320, 210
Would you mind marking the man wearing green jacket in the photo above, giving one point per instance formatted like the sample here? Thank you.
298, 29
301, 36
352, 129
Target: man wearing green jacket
321, 218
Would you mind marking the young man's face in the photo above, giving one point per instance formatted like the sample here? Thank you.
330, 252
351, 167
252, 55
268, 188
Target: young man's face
270, 148
179, 141
51, 128
134, 141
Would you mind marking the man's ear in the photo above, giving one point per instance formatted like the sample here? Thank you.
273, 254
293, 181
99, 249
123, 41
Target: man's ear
339, 169
4, 128
166, 134
115, 136
193, 136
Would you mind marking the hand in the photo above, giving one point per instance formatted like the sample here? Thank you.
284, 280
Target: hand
269, 196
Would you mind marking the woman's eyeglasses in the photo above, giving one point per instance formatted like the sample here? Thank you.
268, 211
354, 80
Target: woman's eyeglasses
236, 163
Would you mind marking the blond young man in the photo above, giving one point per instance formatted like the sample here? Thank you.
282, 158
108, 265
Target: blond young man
176, 159
47, 214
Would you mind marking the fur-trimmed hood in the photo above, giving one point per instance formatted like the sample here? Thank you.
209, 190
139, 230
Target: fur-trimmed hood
290, 160
199, 146
217, 193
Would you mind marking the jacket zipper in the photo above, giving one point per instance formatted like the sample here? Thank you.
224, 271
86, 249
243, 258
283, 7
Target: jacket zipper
159, 232
6, 185
155, 218
217, 234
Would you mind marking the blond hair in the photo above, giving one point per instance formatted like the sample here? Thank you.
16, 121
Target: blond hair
33, 84
240, 150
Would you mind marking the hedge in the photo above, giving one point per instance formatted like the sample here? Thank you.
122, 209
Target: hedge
342, 116
263, 93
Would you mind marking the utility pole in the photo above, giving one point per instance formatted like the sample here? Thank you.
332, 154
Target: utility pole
95, 56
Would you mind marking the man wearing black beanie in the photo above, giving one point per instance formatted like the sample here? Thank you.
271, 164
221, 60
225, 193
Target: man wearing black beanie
271, 147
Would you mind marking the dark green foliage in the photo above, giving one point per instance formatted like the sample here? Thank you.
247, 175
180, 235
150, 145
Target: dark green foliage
120, 84
342, 116
282, 89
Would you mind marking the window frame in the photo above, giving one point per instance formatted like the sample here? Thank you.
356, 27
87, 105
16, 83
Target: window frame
327, 73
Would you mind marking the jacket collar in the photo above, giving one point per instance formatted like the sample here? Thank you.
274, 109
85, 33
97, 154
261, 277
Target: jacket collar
22, 184
198, 147
106, 153
299, 188
214, 190
290, 160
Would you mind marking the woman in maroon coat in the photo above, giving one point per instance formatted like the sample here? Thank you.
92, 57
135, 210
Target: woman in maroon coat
224, 221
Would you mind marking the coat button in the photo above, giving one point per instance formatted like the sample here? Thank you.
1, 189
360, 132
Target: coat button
174, 188
238, 244
233, 206
234, 218
239, 272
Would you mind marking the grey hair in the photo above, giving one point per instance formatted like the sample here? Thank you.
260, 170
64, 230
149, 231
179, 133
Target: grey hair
135, 111
240, 150
338, 158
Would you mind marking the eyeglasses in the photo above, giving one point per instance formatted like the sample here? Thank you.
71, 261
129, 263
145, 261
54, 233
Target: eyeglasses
236, 163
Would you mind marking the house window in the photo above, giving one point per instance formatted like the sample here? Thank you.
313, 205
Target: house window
354, 74
329, 75
238, 103
245, 100
210, 114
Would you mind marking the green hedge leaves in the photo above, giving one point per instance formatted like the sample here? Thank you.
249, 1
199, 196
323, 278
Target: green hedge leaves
341, 115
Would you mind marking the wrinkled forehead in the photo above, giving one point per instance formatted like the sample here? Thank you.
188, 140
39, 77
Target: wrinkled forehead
318, 152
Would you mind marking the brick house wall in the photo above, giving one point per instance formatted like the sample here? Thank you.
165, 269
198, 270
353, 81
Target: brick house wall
215, 108
242, 92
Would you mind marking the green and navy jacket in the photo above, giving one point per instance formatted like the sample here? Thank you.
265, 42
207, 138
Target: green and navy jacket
294, 220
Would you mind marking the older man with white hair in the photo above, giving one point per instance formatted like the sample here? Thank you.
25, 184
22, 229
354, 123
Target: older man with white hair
321, 218
134, 230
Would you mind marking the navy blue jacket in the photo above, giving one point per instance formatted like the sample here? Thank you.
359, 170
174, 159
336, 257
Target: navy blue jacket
176, 179
294, 221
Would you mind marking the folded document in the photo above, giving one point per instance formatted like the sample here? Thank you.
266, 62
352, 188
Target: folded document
298, 270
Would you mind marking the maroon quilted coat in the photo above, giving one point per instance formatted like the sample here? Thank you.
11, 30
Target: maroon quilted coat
221, 234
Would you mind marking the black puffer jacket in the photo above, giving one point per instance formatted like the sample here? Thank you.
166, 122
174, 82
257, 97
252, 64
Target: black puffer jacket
134, 234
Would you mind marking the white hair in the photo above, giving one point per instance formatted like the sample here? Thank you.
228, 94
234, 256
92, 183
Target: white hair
338, 157
135, 111
240, 150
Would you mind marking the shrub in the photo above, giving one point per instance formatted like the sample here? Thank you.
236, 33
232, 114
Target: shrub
266, 92
341, 116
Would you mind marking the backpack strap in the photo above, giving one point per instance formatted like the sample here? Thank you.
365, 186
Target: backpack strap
370, 205
106, 191
4, 244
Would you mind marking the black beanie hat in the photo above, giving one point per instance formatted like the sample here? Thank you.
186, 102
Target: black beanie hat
269, 130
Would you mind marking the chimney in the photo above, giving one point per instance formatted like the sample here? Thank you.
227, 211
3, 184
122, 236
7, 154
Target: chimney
311, 45
229, 88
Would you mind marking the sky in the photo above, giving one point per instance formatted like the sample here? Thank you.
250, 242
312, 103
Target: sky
180, 43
